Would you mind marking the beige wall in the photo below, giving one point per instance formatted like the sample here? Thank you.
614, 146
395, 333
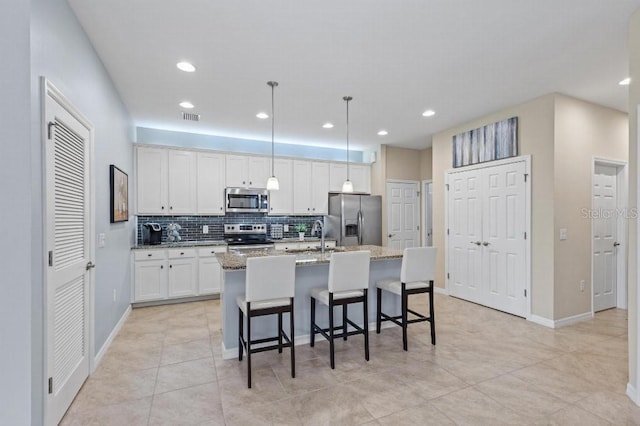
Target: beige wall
582, 130
426, 164
403, 163
634, 101
535, 138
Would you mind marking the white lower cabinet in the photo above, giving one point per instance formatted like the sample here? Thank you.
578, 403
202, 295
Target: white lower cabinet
182, 273
209, 271
161, 274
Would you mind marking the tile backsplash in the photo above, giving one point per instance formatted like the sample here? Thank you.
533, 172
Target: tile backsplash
192, 225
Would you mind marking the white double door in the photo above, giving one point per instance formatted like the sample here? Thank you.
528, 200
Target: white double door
486, 236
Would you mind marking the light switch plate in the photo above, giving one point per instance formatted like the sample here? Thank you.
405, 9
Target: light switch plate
286, 228
101, 240
205, 229
563, 233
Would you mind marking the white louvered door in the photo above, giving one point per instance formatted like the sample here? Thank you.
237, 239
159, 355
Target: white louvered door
68, 225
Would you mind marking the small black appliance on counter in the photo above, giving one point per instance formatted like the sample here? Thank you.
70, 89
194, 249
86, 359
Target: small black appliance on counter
151, 233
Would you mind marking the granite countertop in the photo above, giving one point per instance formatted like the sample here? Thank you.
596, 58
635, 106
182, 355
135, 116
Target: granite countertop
296, 240
236, 261
180, 244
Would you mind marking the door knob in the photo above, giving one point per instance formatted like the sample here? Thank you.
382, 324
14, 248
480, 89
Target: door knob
90, 265
485, 243
475, 242
390, 235
616, 244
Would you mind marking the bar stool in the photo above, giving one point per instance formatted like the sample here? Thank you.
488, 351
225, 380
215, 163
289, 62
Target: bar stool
416, 276
348, 283
269, 287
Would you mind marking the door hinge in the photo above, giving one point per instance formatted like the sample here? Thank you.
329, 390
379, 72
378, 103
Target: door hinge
525, 176
447, 231
418, 227
50, 257
50, 384
446, 186
49, 127
525, 235
447, 275
525, 292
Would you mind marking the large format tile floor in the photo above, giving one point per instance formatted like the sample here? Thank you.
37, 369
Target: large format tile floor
165, 367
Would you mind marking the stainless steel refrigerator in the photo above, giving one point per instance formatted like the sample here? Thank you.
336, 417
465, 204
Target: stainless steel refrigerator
355, 219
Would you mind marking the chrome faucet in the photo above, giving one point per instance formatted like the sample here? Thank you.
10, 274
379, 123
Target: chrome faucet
318, 225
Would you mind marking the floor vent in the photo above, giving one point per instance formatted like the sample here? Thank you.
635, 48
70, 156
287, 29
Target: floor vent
190, 117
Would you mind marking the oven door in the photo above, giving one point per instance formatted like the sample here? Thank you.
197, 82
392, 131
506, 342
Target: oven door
240, 200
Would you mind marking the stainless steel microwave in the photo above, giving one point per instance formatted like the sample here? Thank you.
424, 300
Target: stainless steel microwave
246, 200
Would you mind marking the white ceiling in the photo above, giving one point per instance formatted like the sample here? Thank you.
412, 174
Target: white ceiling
396, 58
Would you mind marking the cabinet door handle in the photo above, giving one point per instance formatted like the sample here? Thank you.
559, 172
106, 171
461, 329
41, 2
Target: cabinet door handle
149, 255
170, 266
485, 243
213, 252
161, 266
314, 209
220, 208
162, 208
171, 208
181, 253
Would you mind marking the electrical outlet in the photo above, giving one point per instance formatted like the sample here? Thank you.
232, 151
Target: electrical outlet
114, 294
581, 285
205, 229
286, 228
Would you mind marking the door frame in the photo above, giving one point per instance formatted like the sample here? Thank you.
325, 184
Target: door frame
622, 205
423, 210
386, 193
48, 89
527, 222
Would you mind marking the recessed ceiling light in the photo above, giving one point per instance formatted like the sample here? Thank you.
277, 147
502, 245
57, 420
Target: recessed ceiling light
625, 82
185, 66
383, 133
262, 115
186, 104
429, 113
327, 125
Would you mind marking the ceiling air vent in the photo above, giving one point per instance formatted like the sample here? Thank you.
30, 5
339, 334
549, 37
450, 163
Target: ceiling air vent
190, 117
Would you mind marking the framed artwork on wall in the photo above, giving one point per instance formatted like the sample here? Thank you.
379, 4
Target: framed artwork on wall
119, 184
491, 142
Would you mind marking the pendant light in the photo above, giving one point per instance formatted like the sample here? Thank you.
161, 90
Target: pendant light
272, 182
347, 186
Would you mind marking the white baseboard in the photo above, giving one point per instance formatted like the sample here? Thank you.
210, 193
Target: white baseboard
633, 394
542, 321
573, 319
232, 353
112, 336
441, 290
561, 322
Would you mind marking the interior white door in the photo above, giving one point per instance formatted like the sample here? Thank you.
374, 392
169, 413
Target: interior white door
503, 223
487, 241
402, 215
68, 227
465, 236
428, 214
604, 237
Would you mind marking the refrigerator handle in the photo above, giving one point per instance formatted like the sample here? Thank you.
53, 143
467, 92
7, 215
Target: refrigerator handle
360, 227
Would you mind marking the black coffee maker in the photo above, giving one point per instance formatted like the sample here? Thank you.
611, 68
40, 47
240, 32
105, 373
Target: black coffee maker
151, 233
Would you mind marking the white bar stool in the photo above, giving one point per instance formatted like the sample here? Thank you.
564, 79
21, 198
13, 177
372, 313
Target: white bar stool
269, 287
348, 283
416, 276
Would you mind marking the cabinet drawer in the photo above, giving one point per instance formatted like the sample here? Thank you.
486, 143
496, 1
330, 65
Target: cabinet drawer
150, 255
181, 253
211, 251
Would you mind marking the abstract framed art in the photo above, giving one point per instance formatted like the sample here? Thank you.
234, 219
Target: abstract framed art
491, 142
119, 184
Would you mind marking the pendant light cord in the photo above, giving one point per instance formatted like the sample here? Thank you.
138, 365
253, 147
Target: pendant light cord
273, 119
347, 99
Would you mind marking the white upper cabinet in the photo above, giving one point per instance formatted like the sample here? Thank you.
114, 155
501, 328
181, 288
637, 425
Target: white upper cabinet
182, 182
360, 175
245, 171
210, 183
151, 174
281, 201
311, 187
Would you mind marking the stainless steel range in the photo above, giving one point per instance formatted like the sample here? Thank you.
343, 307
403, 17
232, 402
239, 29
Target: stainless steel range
243, 236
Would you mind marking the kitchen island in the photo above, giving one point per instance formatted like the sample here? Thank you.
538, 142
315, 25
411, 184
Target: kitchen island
312, 270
